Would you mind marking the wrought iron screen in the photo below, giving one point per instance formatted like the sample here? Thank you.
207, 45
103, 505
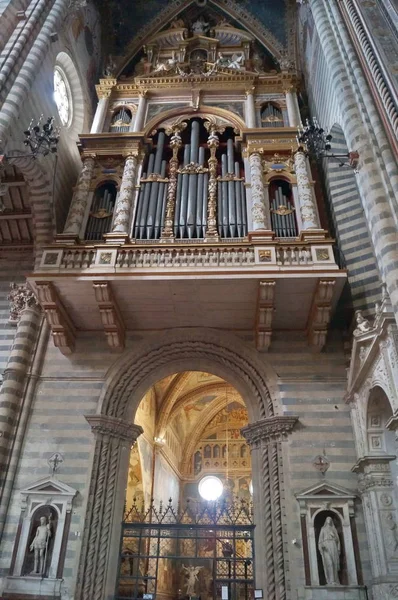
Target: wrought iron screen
188, 553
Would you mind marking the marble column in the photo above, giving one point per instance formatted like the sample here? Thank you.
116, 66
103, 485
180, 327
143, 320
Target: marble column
77, 210
124, 202
250, 109
99, 564
138, 122
308, 208
258, 208
293, 109
25, 311
100, 115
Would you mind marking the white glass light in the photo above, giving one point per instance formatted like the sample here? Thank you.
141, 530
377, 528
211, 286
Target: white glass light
210, 487
62, 97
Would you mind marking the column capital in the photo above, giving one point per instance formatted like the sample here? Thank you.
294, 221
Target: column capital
103, 425
271, 429
374, 472
21, 297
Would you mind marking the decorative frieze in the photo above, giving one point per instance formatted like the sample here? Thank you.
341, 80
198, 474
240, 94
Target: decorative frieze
112, 427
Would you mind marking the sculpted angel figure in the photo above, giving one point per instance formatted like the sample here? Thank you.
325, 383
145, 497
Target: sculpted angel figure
192, 578
329, 547
363, 324
236, 61
200, 27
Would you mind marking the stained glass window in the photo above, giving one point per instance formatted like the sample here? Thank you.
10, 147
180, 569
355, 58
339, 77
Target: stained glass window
62, 97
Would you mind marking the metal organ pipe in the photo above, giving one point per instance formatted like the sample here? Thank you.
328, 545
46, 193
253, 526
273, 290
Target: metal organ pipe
184, 194
145, 202
239, 220
193, 180
231, 189
154, 196
199, 197
159, 206
224, 196
139, 207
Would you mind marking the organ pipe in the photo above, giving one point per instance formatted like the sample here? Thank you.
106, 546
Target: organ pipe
100, 218
204, 197
282, 215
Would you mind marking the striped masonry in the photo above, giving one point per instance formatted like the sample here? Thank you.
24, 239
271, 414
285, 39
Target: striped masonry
378, 175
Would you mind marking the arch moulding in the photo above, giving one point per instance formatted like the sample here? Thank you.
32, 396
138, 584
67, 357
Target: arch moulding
165, 353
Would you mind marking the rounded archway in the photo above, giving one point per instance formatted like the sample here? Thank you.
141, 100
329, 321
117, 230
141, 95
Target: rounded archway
224, 356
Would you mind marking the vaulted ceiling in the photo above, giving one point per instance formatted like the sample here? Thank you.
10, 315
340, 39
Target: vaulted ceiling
127, 25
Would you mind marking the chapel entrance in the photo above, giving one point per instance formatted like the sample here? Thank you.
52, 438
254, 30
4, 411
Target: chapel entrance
188, 531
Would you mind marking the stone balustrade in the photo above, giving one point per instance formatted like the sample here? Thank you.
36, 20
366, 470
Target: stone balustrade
277, 256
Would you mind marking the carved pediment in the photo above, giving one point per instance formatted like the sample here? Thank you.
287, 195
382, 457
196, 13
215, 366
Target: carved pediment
49, 485
324, 490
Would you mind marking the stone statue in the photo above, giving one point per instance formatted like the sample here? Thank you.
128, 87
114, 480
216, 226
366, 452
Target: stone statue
200, 27
329, 547
40, 544
192, 578
392, 532
363, 325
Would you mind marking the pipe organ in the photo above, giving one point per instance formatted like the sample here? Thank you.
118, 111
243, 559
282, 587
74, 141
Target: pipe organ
100, 217
195, 177
120, 121
282, 210
271, 116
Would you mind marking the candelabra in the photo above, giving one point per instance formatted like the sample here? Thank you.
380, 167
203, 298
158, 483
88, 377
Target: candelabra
317, 144
42, 139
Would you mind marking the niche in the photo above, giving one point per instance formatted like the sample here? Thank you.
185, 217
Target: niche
319, 522
50, 521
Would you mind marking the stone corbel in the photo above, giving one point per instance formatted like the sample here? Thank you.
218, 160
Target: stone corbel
62, 328
110, 315
271, 429
320, 313
265, 313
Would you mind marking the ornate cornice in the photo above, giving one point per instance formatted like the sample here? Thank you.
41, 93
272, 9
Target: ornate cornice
102, 425
269, 430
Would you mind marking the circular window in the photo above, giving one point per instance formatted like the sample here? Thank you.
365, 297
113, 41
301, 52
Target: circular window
210, 487
62, 97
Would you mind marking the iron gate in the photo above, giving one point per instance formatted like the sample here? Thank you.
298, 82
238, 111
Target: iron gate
203, 551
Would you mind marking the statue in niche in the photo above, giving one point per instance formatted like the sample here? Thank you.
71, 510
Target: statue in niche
329, 548
40, 545
200, 26
392, 532
191, 574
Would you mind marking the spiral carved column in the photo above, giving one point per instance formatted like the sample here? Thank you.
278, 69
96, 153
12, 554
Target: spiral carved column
213, 142
78, 205
175, 143
259, 216
114, 438
124, 202
308, 209
265, 438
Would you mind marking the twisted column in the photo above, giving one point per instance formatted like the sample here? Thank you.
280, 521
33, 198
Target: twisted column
213, 142
25, 311
114, 438
175, 143
78, 205
265, 439
125, 199
259, 214
308, 209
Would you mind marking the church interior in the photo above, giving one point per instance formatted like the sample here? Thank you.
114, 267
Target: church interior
198, 300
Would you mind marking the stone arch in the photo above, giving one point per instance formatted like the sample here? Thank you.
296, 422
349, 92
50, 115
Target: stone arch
212, 351
229, 118
67, 66
225, 356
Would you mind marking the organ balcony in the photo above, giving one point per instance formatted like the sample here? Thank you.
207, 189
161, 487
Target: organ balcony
193, 218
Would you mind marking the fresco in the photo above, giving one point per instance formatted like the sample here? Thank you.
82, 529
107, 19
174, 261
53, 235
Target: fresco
166, 483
